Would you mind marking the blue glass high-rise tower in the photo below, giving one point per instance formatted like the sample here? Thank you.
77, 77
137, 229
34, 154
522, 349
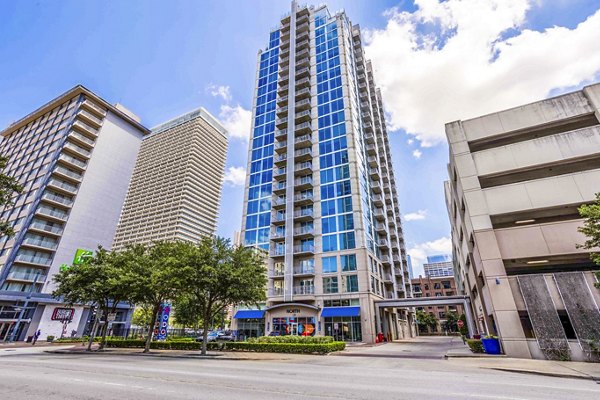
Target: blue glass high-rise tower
321, 195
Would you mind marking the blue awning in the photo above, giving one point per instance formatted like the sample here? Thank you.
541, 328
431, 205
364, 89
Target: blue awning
250, 314
341, 311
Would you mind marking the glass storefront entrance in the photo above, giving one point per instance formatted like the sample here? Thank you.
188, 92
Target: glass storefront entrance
250, 328
347, 329
298, 326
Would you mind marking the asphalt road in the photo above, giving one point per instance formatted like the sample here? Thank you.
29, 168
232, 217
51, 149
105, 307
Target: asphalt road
36, 375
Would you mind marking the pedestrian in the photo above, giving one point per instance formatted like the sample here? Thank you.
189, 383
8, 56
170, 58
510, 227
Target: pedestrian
36, 336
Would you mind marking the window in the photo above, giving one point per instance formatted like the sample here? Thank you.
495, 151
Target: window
446, 284
329, 265
351, 283
437, 286
330, 284
348, 262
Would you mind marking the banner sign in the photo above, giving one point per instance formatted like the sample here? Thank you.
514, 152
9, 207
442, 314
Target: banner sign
81, 255
62, 314
162, 322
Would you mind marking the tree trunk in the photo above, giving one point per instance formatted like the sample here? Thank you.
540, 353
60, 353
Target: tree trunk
93, 332
151, 327
204, 335
105, 327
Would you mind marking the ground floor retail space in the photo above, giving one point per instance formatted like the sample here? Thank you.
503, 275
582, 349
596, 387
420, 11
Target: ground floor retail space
345, 322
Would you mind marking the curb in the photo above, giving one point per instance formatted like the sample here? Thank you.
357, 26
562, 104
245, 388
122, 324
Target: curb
159, 355
551, 374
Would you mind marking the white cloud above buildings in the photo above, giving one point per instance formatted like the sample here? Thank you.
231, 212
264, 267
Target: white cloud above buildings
237, 121
417, 153
415, 216
419, 252
219, 91
235, 176
459, 59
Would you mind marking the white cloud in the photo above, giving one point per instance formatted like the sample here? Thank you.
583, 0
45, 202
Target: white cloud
415, 216
419, 252
236, 120
219, 91
235, 176
459, 59
417, 153
410, 141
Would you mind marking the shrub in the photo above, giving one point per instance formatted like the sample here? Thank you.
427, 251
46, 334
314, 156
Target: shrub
475, 345
295, 348
292, 339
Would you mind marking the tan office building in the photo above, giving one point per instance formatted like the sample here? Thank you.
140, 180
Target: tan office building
176, 186
516, 180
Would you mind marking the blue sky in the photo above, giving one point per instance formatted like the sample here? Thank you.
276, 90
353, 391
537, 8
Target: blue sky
161, 59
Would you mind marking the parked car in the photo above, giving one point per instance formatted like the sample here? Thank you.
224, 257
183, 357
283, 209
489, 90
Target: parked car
275, 333
211, 337
226, 336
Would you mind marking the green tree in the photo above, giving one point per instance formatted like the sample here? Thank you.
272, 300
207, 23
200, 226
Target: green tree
186, 314
8, 188
160, 276
103, 281
591, 229
426, 320
220, 275
451, 322
141, 317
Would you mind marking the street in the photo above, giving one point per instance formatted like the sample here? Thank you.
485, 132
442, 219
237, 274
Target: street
28, 374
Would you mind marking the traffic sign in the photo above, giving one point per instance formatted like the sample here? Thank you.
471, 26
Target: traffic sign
460, 323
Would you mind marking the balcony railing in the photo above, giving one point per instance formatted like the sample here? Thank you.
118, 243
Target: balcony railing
66, 172
304, 270
304, 290
26, 276
57, 230
303, 196
52, 213
306, 230
57, 199
25, 258
303, 213
46, 244
77, 149
276, 292
72, 160
304, 249
62, 185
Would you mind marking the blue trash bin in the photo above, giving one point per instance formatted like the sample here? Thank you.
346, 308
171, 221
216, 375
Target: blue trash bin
491, 345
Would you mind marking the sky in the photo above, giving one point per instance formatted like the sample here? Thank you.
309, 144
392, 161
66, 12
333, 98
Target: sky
435, 62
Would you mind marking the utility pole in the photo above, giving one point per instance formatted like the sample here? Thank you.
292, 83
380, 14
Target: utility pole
24, 308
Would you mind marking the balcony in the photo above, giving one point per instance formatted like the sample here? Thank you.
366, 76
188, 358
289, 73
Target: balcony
277, 235
86, 129
372, 160
303, 105
51, 213
303, 141
303, 83
380, 228
303, 198
368, 127
278, 219
377, 200
371, 150
281, 111
283, 90
67, 174
96, 109
387, 278
89, 118
46, 228
302, 72
276, 273
281, 123
72, 161
275, 292
303, 93
374, 173
385, 260
61, 186
35, 260
282, 100
376, 187
303, 167
280, 159
280, 133
76, 150
278, 202
26, 276
304, 249
277, 252
305, 231
279, 173
303, 128
279, 187
302, 35
369, 138
57, 200
304, 290
383, 243
304, 270
303, 44
379, 214
304, 182
306, 214
280, 147
39, 243
303, 154
303, 116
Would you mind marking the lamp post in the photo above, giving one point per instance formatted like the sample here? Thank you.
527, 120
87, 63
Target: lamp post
23, 309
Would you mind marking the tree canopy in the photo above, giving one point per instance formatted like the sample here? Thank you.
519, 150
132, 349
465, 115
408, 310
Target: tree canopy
8, 188
591, 229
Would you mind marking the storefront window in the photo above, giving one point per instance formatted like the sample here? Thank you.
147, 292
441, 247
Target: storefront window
298, 326
248, 328
346, 329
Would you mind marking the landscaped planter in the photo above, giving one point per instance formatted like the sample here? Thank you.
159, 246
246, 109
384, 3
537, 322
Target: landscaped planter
491, 345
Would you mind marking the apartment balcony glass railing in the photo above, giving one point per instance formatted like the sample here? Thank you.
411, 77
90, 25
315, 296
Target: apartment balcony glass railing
26, 276
26, 258
304, 290
57, 230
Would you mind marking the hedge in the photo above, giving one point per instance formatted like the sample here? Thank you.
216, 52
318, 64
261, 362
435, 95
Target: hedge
292, 339
475, 345
296, 348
